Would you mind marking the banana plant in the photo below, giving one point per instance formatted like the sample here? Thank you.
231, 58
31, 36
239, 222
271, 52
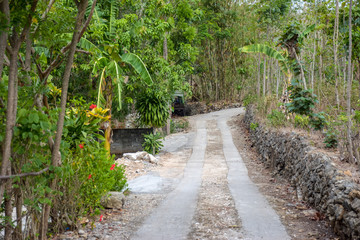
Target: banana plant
272, 53
108, 65
109, 61
291, 41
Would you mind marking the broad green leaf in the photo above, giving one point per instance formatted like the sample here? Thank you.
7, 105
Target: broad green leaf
101, 82
33, 117
260, 48
138, 65
270, 52
89, 46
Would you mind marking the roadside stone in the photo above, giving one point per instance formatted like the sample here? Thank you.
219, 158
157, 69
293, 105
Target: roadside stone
141, 156
81, 232
327, 189
113, 200
356, 205
153, 159
310, 213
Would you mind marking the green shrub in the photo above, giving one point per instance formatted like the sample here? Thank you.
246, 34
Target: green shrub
301, 121
302, 101
249, 99
357, 116
177, 126
152, 143
330, 140
318, 121
87, 172
153, 108
276, 118
254, 126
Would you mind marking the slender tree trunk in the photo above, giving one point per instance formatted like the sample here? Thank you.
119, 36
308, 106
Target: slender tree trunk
270, 78
277, 80
165, 56
313, 63
321, 60
19, 204
258, 76
8, 210
301, 71
336, 36
264, 77
349, 124
56, 157
4, 8
15, 41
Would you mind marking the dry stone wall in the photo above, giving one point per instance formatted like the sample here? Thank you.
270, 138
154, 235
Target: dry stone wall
321, 184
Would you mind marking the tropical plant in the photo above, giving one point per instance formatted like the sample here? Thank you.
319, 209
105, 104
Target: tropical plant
152, 143
153, 107
276, 118
318, 120
301, 121
108, 63
330, 140
302, 101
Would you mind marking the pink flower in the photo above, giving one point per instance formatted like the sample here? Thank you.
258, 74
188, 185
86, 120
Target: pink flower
81, 145
92, 106
101, 218
89, 176
112, 167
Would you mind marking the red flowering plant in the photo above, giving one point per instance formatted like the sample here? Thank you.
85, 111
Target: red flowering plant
88, 172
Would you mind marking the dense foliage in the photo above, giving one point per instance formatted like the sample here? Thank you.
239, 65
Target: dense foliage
69, 68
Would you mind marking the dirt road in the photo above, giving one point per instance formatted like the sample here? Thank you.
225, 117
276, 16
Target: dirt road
201, 190
172, 218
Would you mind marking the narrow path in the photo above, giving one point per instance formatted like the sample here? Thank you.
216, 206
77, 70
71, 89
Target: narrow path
182, 214
216, 216
172, 219
259, 220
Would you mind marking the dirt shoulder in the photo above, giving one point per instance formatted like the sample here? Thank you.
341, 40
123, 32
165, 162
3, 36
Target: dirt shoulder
300, 220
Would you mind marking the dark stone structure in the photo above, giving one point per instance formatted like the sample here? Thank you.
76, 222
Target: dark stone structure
322, 185
128, 140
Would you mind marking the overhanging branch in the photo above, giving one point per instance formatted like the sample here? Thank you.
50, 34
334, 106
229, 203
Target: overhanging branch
24, 174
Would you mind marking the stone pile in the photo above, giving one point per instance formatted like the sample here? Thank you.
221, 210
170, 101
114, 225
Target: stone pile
141, 156
313, 173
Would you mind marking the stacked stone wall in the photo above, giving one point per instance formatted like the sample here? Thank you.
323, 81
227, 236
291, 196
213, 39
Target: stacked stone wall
313, 173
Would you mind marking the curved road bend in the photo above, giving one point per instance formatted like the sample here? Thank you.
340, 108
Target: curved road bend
171, 220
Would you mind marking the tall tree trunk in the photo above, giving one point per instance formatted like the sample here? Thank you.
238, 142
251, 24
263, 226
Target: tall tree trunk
301, 71
277, 80
313, 63
335, 40
56, 157
8, 210
165, 56
321, 60
4, 8
264, 77
349, 124
270, 78
258, 76
15, 41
